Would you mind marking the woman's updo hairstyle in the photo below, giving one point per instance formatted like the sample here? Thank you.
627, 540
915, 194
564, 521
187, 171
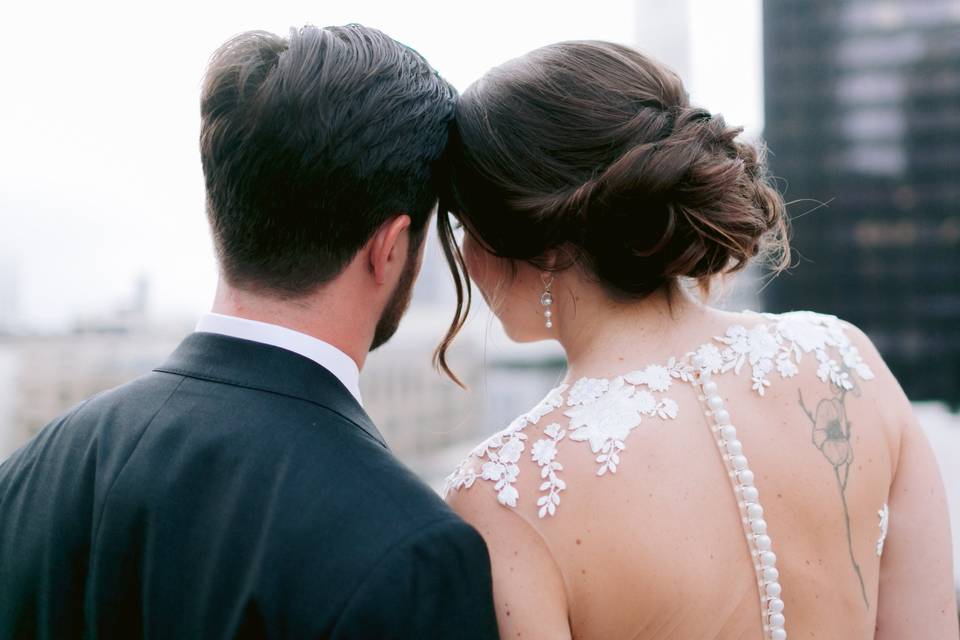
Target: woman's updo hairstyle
592, 148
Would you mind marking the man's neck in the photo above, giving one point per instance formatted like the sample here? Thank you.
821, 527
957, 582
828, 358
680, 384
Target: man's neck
324, 315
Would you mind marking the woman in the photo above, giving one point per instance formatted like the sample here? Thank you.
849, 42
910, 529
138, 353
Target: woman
698, 473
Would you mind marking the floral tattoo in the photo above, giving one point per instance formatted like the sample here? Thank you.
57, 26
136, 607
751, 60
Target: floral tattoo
831, 435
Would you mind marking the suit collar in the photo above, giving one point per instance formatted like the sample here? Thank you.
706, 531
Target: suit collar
244, 363
323, 353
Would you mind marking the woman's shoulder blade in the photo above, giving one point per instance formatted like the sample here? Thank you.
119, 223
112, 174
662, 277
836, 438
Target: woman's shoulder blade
594, 417
598, 414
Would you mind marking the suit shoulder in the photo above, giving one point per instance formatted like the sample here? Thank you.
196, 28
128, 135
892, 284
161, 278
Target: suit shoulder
447, 544
434, 582
445, 533
79, 424
387, 484
140, 396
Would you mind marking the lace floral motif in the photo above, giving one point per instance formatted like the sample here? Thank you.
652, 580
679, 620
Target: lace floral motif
587, 390
884, 514
544, 454
606, 421
502, 452
781, 346
600, 411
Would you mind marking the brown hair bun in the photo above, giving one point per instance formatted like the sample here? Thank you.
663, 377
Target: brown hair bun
594, 148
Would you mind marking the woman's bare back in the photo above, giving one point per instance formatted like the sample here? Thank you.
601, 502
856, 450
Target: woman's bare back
740, 487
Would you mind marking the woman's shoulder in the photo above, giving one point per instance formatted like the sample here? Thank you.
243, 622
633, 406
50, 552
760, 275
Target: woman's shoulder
768, 347
798, 358
578, 430
496, 461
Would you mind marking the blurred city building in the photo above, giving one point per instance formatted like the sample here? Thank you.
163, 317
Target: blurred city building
44, 374
428, 421
863, 114
9, 302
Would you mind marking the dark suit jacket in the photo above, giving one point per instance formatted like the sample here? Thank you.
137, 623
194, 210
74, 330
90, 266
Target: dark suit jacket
238, 491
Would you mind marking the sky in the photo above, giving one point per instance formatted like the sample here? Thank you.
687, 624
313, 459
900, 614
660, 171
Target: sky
100, 179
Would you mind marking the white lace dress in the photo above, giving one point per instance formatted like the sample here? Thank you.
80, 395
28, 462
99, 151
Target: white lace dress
602, 412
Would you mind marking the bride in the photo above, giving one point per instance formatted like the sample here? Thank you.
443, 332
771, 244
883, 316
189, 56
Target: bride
698, 473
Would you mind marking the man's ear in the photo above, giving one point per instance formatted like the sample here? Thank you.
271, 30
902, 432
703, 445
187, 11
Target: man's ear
388, 248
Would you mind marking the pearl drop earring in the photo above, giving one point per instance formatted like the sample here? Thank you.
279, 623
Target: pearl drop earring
547, 299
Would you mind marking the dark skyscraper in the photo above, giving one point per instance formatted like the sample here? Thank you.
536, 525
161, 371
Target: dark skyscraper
863, 113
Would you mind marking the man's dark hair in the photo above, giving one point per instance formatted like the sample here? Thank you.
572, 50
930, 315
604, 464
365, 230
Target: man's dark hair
309, 144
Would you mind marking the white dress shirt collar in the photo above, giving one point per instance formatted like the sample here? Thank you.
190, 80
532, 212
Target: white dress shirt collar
323, 353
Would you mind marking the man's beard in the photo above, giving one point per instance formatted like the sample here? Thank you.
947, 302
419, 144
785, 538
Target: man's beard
399, 301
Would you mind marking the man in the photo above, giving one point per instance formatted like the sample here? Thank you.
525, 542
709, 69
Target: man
239, 490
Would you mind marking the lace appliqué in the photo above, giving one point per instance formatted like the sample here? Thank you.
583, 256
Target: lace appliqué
502, 452
606, 419
604, 411
884, 514
601, 412
544, 453
781, 346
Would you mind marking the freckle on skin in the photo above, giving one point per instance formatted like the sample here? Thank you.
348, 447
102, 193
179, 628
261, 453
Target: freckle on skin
578, 541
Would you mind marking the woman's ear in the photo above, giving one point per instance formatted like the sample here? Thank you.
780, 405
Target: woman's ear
388, 248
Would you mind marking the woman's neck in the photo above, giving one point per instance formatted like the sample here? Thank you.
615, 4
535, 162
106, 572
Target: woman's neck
598, 333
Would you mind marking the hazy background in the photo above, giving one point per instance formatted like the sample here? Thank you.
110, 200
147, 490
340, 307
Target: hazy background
100, 178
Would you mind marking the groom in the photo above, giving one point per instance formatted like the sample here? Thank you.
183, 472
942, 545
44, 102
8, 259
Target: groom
239, 490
